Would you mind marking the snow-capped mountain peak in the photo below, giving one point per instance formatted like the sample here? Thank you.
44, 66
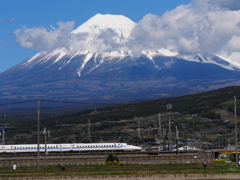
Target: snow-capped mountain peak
120, 24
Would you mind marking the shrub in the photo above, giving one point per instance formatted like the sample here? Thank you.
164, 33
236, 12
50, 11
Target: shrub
112, 158
121, 163
114, 162
219, 160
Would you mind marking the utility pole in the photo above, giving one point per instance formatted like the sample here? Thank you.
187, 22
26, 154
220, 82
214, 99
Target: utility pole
3, 136
164, 138
177, 140
89, 130
139, 135
45, 140
160, 126
236, 139
38, 148
49, 137
169, 108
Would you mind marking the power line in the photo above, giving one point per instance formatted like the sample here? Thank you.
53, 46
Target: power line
73, 102
67, 102
20, 102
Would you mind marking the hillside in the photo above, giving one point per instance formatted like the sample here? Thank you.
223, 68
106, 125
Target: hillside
204, 119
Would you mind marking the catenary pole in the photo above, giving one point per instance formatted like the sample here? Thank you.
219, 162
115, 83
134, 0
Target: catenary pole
236, 139
38, 156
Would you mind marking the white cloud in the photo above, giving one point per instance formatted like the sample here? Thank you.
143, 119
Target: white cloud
201, 27
42, 39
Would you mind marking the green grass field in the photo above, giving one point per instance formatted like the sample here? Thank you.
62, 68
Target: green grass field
123, 170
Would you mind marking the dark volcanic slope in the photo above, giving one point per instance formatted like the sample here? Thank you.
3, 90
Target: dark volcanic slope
115, 80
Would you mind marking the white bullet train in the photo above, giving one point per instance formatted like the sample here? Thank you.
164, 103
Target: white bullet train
24, 148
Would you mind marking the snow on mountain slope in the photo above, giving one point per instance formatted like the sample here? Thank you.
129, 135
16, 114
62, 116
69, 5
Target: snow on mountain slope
212, 59
98, 23
120, 28
100, 67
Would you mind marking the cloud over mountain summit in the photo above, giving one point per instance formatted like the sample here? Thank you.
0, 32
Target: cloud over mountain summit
204, 26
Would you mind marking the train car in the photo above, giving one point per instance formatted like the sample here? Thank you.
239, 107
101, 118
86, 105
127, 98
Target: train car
67, 147
154, 150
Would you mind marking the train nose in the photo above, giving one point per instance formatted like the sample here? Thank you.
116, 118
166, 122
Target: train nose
137, 148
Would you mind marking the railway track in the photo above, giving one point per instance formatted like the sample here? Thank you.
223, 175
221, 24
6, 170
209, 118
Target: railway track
73, 159
109, 172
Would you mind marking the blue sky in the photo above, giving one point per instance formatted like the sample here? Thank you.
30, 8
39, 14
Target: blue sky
196, 26
35, 13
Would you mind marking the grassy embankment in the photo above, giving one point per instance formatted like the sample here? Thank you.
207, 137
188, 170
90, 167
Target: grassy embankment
124, 170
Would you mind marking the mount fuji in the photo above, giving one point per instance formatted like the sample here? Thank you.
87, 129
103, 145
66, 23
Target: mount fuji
96, 66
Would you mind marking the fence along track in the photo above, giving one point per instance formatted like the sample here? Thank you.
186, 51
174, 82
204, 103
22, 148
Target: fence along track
139, 158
